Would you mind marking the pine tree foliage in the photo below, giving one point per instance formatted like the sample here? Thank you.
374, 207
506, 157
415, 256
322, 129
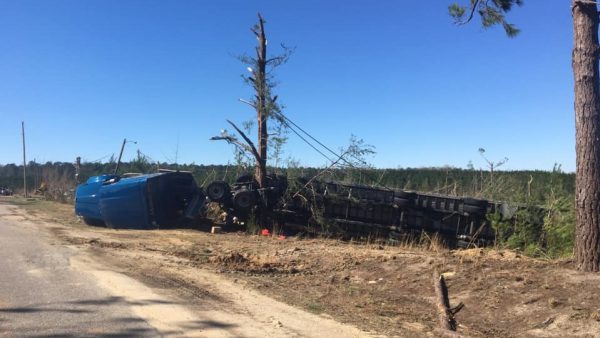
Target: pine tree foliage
491, 12
272, 107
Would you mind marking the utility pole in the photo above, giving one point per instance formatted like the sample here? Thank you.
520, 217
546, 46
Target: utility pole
24, 161
77, 169
35, 174
120, 154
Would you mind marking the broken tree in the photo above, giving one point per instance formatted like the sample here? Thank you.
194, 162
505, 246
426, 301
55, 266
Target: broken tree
264, 102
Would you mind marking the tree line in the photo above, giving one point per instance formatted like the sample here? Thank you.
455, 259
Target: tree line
520, 186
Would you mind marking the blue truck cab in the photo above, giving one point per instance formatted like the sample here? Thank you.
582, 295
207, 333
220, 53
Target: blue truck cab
142, 202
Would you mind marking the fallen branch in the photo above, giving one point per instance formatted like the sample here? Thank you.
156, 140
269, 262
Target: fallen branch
445, 312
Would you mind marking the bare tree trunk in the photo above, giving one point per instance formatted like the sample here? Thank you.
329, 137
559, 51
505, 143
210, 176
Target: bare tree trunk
24, 162
587, 124
261, 112
261, 106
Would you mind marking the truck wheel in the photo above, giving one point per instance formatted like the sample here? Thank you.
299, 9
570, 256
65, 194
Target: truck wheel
247, 180
218, 191
244, 199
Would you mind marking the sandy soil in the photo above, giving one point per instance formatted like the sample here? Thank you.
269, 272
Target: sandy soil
381, 290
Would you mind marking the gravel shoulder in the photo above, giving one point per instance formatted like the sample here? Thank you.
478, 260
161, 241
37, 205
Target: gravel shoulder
264, 286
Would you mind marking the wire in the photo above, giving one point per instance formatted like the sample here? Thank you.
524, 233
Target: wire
288, 121
320, 143
309, 135
307, 142
100, 159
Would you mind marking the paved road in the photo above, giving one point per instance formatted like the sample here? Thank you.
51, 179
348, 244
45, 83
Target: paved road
42, 295
49, 289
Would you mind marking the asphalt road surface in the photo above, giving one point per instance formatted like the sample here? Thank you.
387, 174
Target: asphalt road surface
43, 295
50, 287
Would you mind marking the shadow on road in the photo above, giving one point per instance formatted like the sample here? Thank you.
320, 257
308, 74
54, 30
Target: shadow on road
118, 300
45, 309
205, 324
93, 318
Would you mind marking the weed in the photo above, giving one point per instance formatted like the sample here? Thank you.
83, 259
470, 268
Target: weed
252, 226
315, 308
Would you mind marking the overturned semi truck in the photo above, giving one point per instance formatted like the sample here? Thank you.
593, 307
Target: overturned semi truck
167, 199
151, 201
359, 210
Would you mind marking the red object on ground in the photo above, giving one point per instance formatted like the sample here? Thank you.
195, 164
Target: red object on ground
265, 232
281, 237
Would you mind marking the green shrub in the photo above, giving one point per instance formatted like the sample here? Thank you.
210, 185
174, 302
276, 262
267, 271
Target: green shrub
559, 227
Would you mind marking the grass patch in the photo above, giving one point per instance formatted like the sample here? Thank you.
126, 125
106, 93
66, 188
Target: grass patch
315, 308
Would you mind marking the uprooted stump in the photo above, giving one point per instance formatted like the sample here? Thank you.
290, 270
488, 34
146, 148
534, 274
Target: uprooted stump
445, 312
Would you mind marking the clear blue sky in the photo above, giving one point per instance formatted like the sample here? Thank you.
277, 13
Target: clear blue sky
85, 74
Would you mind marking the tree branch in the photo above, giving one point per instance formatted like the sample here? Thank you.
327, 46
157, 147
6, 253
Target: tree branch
250, 144
473, 7
248, 103
232, 140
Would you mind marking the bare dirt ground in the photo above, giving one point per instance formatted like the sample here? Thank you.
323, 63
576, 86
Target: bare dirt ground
382, 290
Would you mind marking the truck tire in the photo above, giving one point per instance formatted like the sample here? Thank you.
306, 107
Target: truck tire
247, 180
218, 191
244, 199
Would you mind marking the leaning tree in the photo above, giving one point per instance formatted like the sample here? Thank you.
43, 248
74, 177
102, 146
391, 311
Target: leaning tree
587, 112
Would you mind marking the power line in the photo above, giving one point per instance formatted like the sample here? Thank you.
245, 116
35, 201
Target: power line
307, 142
350, 164
321, 144
288, 121
100, 159
309, 135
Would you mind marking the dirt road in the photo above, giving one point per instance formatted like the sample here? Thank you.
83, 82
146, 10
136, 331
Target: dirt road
49, 286
234, 284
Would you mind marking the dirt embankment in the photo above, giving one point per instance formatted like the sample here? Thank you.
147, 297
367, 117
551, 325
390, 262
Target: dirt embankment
383, 290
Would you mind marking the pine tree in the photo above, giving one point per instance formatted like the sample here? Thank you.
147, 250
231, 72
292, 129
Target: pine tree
587, 112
